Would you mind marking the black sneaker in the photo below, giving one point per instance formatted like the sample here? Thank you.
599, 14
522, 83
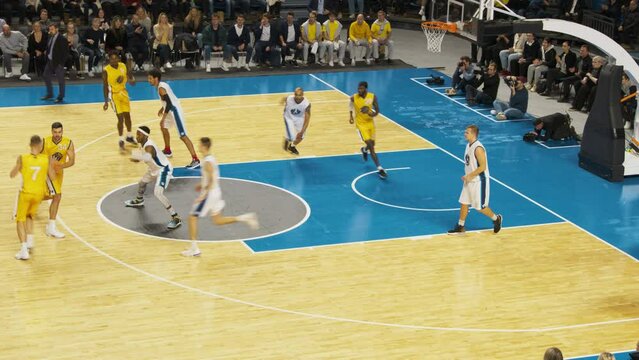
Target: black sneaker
497, 224
286, 144
121, 145
131, 140
382, 174
459, 229
175, 223
293, 150
194, 164
364, 154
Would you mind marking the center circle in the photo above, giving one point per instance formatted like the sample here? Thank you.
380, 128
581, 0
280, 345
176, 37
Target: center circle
278, 210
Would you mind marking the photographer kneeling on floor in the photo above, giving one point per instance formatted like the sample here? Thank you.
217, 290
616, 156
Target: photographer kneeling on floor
552, 127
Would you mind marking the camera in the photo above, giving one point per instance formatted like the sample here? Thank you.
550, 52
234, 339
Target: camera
460, 64
509, 81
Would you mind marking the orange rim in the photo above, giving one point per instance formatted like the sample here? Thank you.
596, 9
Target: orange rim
450, 27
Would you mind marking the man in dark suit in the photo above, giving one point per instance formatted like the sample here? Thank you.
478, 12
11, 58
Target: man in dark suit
566, 67
265, 42
57, 53
238, 39
290, 37
584, 65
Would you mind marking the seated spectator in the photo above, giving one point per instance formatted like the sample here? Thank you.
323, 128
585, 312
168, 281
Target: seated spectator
138, 41
359, 34
291, 38
612, 9
14, 45
606, 356
144, 19
322, 8
517, 106
312, 38
331, 34
73, 60
490, 80
74, 8
92, 44
265, 42
44, 18
214, 39
553, 353
90, 8
628, 107
532, 50
55, 8
238, 39
572, 10
113, 8
566, 67
193, 25
541, 65
556, 127
513, 53
104, 24
583, 66
163, 41
628, 28
381, 33
588, 87
37, 48
464, 75
117, 39
490, 54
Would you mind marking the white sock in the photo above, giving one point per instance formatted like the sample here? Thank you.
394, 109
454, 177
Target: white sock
29, 237
494, 217
122, 137
461, 222
24, 247
51, 224
194, 246
380, 168
128, 134
243, 217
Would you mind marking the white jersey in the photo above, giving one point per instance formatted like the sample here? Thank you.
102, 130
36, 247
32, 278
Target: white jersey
213, 202
157, 162
175, 102
216, 174
470, 161
295, 112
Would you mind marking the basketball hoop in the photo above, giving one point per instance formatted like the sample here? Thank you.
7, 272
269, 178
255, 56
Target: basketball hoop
435, 31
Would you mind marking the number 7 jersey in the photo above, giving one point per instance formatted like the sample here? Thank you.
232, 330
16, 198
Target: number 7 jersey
34, 174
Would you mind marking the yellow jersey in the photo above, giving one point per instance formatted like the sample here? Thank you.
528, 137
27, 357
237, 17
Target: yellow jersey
59, 150
331, 29
381, 30
360, 32
113, 75
358, 103
34, 174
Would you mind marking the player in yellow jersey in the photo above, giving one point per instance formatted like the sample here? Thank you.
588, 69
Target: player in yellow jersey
34, 168
364, 105
62, 152
114, 79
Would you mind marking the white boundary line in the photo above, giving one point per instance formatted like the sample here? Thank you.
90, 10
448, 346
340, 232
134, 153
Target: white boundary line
502, 183
302, 221
489, 117
555, 147
354, 188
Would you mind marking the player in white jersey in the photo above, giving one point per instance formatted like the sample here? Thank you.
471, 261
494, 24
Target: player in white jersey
171, 115
210, 202
160, 170
297, 116
476, 189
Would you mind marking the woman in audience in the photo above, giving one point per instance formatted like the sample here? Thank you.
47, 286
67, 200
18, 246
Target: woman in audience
37, 48
163, 41
73, 60
193, 25
143, 17
117, 38
588, 86
553, 353
104, 24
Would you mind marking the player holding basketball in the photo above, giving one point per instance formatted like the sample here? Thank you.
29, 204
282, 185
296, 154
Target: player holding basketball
62, 152
476, 188
209, 202
365, 106
171, 115
160, 170
34, 168
114, 79
297, 116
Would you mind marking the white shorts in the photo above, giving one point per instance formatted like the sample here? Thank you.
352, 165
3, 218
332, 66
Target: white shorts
293, 128
162, 177
476, 194
175, 118
211, 205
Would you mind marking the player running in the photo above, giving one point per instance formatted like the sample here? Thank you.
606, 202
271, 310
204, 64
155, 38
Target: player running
297, 116
365, 106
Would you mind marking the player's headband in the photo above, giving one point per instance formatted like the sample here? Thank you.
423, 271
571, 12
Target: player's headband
143, 132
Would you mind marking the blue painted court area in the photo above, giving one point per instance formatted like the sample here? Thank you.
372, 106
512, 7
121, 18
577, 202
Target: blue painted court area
622, 355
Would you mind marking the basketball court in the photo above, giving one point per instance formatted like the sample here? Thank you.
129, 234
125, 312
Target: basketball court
345, 265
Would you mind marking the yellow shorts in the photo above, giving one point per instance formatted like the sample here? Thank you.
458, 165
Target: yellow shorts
27, 206
120, 102
55, 186
366, 131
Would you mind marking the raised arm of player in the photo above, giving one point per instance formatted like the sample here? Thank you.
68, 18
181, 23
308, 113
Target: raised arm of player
480, 155
351, 106
105, 90
16, 169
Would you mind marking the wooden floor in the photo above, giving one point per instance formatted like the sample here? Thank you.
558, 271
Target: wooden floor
103, 293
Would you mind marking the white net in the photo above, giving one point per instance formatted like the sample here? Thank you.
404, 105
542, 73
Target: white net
434, 37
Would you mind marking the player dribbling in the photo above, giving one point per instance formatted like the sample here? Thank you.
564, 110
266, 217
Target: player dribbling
297, 116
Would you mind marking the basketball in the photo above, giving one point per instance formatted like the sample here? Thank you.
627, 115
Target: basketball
365, 109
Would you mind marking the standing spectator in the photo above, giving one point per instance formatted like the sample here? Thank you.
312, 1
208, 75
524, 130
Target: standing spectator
588, 86
265, 42
583, 66
553, 353
138, 41
612, 9
57, 53
331, 33
163, 41
32, 9
566, 67
628, 28
92, 44
239, 39
113, 8
517, 106
37, 48
464, 75
116, 38
90, 8
214, 39
541, 65
359, 34
322, 8
14, 45
290, 38
9, 6
572, 10
144, 19
75, 10
381, 33
513, 53
628, 109
55, 8
73, 60
490, 80
193, 25
312, 38
532, 50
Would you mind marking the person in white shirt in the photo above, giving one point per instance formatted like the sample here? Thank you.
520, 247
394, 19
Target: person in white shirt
290, 38
265, 42
297, 116
238, 39
331, 30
